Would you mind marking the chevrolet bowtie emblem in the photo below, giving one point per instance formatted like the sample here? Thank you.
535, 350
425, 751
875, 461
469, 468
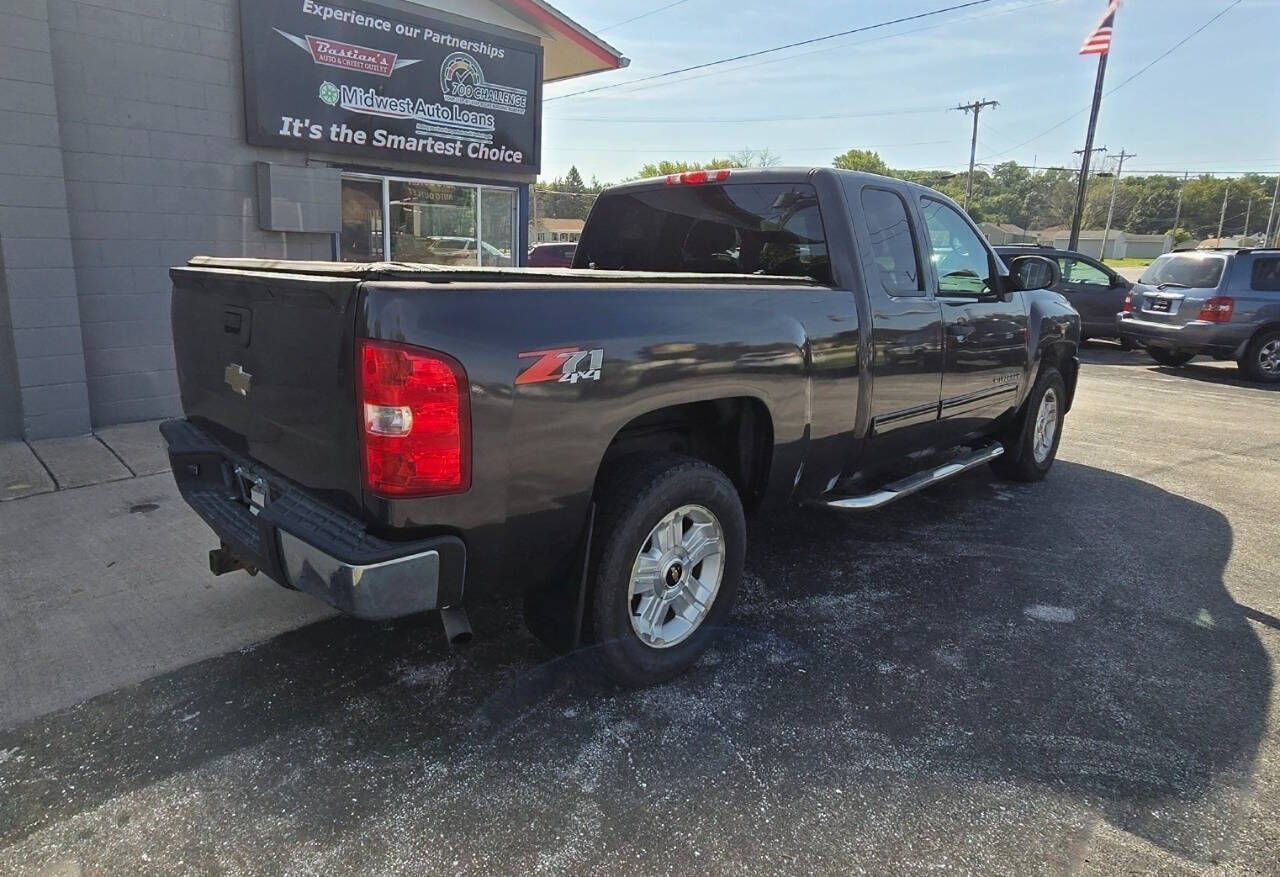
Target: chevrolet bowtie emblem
237, 378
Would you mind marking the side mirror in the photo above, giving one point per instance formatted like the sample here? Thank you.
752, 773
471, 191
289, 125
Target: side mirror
1033, 272
1118, 282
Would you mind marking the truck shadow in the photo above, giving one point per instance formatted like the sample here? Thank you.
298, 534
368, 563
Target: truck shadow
1072, 639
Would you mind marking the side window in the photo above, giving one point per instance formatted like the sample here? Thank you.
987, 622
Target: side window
1266, 274
957, 254
892, 242
1079, 271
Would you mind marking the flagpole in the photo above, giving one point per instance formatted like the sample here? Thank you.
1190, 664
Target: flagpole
1088, 153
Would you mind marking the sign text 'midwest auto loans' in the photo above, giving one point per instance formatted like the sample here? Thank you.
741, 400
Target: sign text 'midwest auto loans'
348, 78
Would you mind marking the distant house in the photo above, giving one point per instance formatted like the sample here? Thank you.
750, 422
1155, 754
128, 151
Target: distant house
1120, 244
1239, 240
1091, 243
999, 233
547, 229
1047, 236
1146, 246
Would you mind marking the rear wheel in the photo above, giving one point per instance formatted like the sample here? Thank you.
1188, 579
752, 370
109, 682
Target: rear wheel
1030, 454
1261, 361
1171, 358
667, 563
1126, 343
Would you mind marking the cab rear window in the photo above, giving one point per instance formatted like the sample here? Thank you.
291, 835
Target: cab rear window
735, 228
1191, 270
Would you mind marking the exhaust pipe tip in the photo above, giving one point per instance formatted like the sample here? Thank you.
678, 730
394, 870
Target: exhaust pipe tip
457, 627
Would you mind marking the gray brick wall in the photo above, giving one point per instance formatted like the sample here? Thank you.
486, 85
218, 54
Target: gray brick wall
122, 153
157, 170
42, 351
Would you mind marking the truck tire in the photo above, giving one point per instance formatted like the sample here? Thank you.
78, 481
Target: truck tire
666, 564
1030, 453
1261, 361
1171, 358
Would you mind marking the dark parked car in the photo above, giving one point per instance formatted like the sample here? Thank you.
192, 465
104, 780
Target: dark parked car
1222, 303
1093, 289
394, 438
552, 255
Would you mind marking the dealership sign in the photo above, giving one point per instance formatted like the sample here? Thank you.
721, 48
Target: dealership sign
369, 81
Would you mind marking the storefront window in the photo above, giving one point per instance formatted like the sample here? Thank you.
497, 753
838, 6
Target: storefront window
362, 238
426, 221
433, 222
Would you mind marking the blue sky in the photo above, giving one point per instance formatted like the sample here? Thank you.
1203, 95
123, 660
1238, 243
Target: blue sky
1212, 105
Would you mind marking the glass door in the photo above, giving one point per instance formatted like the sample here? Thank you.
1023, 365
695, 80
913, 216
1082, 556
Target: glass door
362, 238
498, 228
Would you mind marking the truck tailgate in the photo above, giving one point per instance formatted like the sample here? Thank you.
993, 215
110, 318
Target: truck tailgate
265, 364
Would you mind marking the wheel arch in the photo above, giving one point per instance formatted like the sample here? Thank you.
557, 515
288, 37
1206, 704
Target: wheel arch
733, 433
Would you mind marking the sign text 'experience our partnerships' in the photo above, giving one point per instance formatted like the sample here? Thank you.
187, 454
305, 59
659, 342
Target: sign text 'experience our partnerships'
353, 79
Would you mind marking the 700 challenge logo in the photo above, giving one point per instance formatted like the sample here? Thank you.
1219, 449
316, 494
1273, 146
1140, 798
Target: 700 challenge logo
567, 365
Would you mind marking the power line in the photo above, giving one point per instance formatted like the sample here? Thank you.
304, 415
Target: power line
1116, 88
847, 46
760, 52
640, 16
688, 149
614, 120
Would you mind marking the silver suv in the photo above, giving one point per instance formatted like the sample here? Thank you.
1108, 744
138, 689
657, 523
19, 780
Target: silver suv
1221, 303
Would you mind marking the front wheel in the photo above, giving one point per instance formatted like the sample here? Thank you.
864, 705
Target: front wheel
1171, 358
667, 562
1030, 455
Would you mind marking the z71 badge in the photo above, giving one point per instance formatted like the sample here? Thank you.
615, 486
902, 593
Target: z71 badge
567, 365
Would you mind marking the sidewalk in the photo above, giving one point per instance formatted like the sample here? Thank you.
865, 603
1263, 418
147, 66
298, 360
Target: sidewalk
112, 453
104, 574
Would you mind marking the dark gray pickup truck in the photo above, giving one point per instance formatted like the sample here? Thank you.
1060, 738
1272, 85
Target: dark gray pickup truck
396, 438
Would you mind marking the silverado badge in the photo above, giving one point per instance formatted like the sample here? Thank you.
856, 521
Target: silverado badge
237, 378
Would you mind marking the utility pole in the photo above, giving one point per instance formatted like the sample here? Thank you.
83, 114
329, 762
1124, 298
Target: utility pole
1177, 214
1111, 209
1223, 215
1272, 215
1247, 211
976, 108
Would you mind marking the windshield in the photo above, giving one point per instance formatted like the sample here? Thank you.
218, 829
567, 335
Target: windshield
1192, 270
762, 228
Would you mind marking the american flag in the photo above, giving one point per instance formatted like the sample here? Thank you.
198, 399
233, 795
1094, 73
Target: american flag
1099, 40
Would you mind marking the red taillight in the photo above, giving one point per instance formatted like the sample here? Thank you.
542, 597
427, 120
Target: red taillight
415, 421
1217, 309
1127, 307
697, 178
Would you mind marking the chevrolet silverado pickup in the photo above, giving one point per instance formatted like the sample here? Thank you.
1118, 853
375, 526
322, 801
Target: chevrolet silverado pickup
395, 438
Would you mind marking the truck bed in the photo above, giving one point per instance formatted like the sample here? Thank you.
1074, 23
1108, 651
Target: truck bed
428, 273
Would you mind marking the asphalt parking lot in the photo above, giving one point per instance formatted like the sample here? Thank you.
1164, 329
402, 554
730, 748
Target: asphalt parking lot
1074, 676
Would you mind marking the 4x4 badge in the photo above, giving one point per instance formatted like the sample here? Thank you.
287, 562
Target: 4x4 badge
568, 365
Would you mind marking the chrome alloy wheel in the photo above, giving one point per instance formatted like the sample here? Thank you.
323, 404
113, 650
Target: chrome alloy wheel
676, 576
1046, 426
1269, 357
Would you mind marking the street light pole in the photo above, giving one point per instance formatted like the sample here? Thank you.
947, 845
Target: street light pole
976, 108
1111, 208
1177, 214
1272, 215
1223, 215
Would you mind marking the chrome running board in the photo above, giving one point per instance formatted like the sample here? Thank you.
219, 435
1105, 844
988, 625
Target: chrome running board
914, 483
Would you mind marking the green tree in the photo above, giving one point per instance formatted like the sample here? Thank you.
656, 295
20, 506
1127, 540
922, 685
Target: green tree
861, 160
